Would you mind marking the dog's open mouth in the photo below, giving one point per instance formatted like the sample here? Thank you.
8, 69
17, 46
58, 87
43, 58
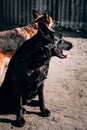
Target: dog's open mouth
60, 54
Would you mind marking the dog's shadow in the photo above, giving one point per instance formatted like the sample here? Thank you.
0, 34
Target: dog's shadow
33, 103
4, 120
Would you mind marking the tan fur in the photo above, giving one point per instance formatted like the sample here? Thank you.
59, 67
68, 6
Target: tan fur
4, 60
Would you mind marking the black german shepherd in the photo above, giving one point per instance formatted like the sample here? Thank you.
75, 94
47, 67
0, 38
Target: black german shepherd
28, 69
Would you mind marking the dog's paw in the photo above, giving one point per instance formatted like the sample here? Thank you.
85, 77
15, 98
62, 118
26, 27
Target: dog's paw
20, 122
46, 113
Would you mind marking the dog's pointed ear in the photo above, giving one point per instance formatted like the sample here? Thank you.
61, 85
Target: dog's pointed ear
45, 32
43, 28
36, 14
46, 16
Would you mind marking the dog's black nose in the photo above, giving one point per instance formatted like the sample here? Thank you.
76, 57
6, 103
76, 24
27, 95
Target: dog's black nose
70, 46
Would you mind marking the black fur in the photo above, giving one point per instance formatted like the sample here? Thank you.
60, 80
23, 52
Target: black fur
27, 71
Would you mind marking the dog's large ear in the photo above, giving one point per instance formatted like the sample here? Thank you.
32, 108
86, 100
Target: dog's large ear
36, 14
46, 17
43, 28
45, 31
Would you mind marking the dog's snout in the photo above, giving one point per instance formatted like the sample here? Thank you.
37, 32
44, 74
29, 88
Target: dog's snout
67, 45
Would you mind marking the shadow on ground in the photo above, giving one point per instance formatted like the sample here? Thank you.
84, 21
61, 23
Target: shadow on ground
33, 103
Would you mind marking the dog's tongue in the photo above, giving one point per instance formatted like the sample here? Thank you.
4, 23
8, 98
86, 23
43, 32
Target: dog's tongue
60, 54
64, 55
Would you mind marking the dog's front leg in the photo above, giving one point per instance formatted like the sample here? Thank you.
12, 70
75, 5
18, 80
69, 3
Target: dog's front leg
20, 122
44, 111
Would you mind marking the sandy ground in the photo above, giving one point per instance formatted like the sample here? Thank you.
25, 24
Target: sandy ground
65, 94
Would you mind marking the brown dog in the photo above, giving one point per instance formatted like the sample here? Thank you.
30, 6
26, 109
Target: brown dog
25, 32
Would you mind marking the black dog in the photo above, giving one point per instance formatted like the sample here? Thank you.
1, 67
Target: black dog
28, 69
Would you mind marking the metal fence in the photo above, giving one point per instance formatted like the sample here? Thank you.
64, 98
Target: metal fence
70, 13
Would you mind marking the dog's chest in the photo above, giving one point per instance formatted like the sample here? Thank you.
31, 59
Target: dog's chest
36, 58
34, 81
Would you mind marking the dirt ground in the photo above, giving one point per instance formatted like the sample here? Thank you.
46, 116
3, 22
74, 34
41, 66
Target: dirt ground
65, 94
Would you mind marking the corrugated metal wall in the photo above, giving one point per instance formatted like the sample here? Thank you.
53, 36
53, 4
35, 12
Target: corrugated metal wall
71, 13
